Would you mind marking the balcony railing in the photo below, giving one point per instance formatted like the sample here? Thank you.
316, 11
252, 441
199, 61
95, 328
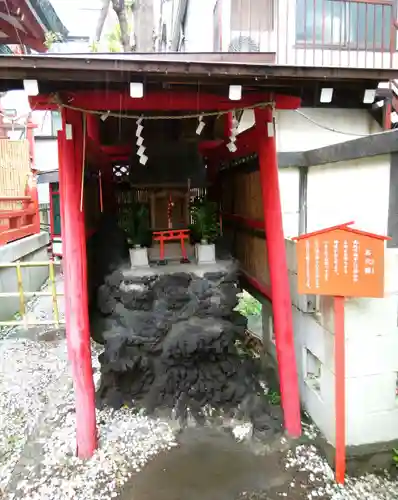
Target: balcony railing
337, 33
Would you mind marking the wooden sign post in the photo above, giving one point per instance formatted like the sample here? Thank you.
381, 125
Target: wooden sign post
342, 262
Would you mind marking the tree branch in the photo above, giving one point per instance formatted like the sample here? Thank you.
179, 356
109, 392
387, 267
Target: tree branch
120, 10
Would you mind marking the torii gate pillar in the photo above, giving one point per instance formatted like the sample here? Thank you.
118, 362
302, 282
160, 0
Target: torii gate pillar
75, 272
277, 263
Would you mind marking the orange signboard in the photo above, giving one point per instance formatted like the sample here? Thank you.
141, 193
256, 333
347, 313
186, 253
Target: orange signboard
341, 261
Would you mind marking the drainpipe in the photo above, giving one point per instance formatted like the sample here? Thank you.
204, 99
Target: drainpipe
176, 27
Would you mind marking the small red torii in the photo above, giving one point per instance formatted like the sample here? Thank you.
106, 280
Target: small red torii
172, 235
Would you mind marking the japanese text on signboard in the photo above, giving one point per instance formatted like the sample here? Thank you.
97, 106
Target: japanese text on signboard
341, 262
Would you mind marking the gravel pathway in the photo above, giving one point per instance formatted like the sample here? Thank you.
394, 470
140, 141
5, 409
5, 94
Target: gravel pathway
320, 482
37, 422
37, 436
28, 371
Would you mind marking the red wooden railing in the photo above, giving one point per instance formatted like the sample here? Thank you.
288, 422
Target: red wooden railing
21, 217
322, 33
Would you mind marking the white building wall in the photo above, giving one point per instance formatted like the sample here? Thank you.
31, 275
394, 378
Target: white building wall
319, 127
46, 158
199, 26
289, 189
352, 183
282, 42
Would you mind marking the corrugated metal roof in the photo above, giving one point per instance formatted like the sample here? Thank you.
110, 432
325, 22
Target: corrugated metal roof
49, 17
47, 177
5, 49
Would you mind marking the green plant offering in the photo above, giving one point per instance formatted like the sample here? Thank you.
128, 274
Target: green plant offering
248, 305
395, 457
137, 225
274, 398
205, 226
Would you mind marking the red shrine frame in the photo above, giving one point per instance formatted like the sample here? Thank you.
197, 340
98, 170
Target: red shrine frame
259, 139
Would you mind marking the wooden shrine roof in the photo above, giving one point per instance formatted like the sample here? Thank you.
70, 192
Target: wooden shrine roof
87, 71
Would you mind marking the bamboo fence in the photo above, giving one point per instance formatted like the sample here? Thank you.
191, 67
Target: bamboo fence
14, 172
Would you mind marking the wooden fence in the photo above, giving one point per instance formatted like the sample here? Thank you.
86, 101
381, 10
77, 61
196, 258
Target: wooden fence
243, 223
19, 208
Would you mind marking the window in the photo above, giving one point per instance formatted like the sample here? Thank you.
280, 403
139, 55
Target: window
48, 123
345, 23
313, 370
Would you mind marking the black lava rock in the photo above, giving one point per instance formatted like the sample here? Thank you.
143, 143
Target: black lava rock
171, 342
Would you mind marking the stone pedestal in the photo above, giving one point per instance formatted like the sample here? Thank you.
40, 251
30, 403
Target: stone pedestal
139, 257
205, 253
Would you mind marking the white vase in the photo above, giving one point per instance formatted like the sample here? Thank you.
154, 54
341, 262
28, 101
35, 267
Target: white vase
205, 253
139, 257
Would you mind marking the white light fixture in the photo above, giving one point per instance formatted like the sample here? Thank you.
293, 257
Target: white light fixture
235, 92
141, 150
369, 96
31, 87
140, 141
384, 85
136, 90
326, 95
394, 117
105, 116
139, 130
232, 147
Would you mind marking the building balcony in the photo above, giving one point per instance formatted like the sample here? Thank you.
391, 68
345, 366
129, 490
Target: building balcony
329, 33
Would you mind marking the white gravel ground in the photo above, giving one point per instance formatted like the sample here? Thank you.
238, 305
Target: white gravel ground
27, 372
36, 402
306, 458
30, 371
127, 442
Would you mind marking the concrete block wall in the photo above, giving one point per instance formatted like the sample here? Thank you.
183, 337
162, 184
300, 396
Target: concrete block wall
313, 342
30, 249
372, 362
371, 358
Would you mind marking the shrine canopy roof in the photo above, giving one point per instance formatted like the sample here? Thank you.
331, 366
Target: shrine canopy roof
26, 22
209, 73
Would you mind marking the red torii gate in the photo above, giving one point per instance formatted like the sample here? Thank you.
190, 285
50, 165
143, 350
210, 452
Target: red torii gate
260, 138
